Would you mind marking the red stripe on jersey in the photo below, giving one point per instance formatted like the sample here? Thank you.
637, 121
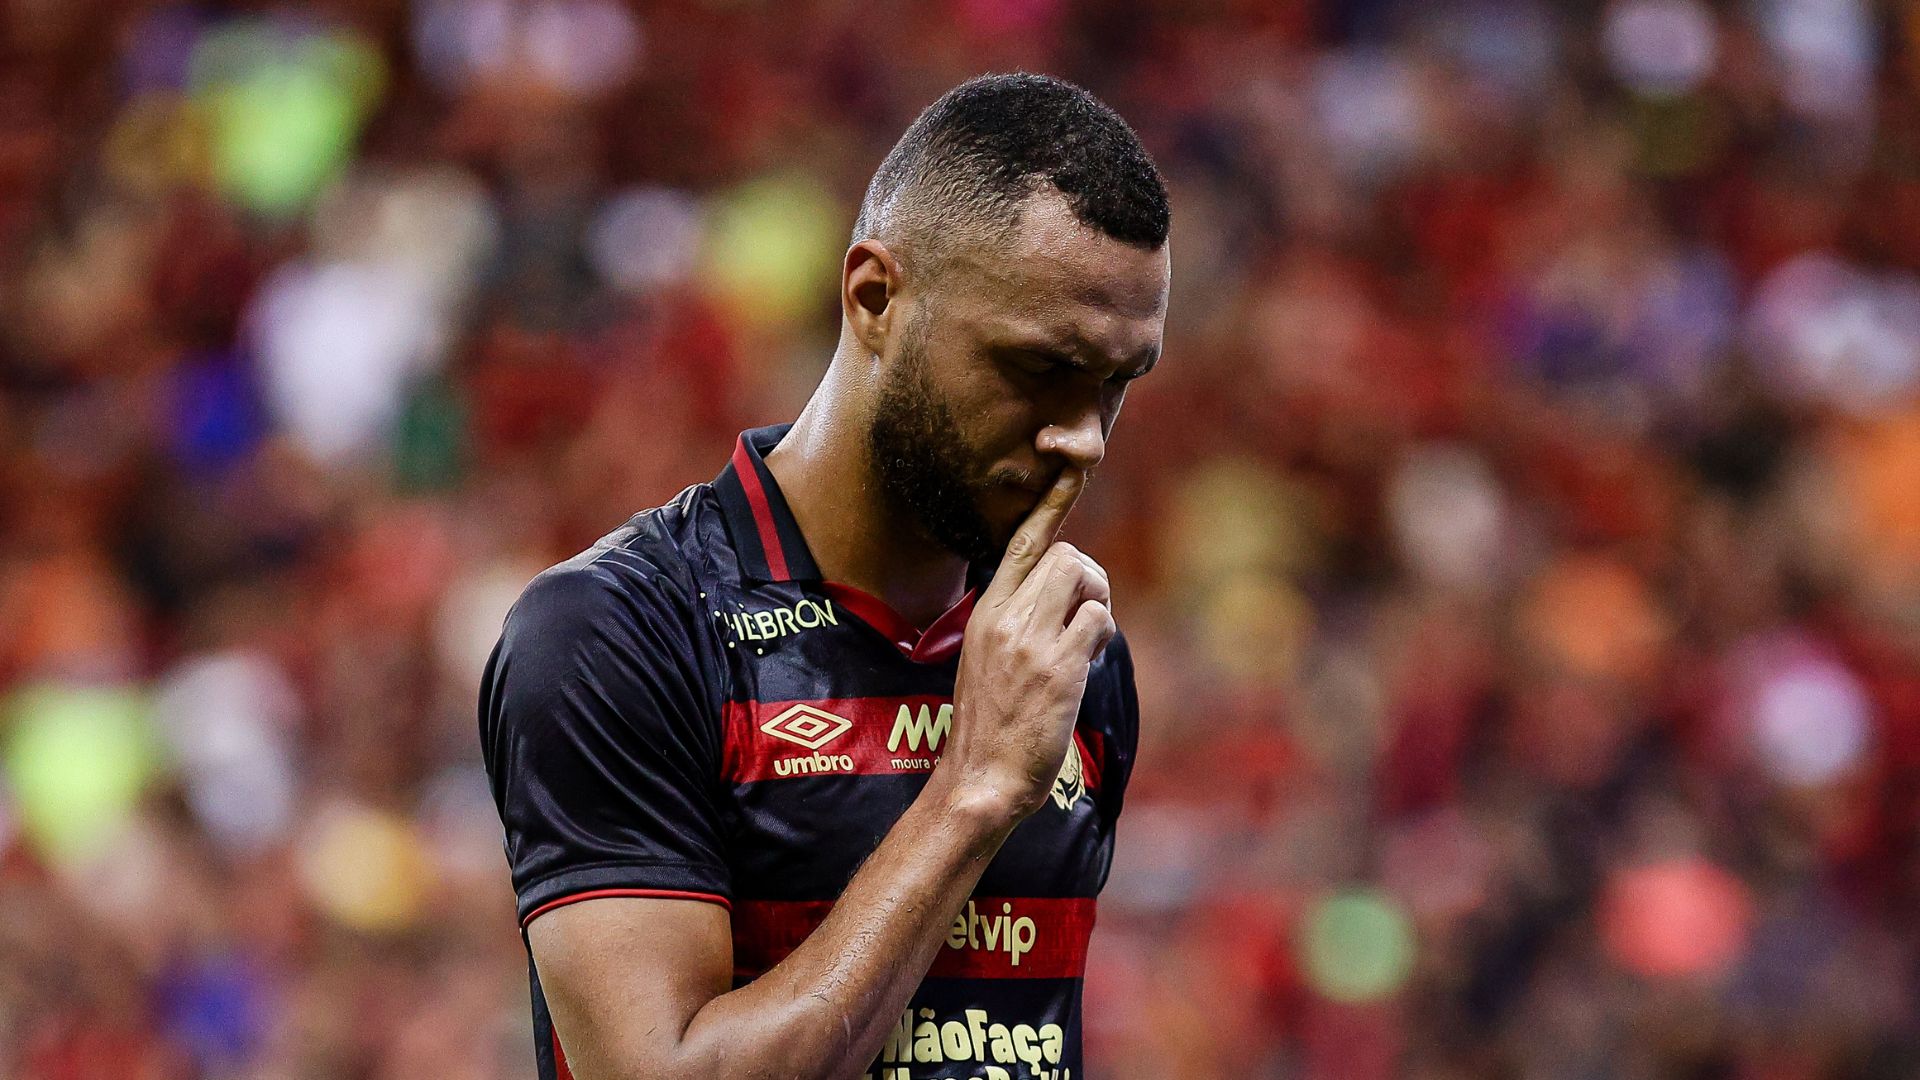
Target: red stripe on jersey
762, 511
940, 641
993, 937
1095, 745
560, 1069
595, 894
876, 613
876, 736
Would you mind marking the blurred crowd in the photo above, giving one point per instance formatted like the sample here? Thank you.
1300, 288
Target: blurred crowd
1520, 543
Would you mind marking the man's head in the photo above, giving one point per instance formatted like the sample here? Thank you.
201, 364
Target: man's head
1008, 277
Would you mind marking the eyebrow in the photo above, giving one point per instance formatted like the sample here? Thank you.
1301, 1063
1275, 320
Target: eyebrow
1068, 356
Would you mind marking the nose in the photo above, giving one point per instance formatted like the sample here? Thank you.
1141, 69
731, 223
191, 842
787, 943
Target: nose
1081, 441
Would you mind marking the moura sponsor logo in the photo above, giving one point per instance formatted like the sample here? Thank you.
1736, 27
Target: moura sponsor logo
923, 726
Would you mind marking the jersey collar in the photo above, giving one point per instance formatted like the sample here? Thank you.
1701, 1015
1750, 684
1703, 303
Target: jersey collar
765, 535
771, 548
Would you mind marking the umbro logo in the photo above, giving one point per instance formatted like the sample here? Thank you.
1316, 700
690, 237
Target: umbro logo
872, 736
804, 725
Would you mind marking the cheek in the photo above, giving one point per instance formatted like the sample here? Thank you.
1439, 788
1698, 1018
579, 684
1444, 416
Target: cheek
1006, 430
995, 417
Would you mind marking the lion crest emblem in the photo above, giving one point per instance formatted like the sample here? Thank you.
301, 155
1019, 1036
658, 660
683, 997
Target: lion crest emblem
1071, 784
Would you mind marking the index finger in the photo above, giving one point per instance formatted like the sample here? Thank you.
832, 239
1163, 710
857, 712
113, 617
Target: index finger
1036, 534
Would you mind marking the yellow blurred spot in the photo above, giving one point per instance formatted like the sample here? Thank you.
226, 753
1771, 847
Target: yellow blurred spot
364, 868
1255, 627
1234, 516
772, 245
159, 142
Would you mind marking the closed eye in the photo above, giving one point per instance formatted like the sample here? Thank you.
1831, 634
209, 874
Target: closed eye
1037, 362
1045, 362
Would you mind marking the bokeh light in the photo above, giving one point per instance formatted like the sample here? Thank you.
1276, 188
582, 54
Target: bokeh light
227, 720
772, 244
1449, 516
646, 238
285, 103
1676, 919
1357, 946
1661, 48
1521, 520
1596, 617
364, 868
1811, 722
77, 760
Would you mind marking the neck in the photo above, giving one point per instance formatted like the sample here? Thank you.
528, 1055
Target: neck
826, 472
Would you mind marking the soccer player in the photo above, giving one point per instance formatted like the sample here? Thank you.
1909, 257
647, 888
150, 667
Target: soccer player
813, 771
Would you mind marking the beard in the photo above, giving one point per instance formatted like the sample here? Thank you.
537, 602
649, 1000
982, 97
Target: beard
922, 462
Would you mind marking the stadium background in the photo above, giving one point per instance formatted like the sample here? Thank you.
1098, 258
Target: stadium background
1520, 544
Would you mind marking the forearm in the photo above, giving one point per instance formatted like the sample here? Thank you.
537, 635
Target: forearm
825, 1009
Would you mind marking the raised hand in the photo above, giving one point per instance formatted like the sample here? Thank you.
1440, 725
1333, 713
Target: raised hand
1031, 640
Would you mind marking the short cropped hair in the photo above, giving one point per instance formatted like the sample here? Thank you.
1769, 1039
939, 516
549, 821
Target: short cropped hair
968, 162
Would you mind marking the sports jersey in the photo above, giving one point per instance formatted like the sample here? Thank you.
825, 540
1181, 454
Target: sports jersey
687, 709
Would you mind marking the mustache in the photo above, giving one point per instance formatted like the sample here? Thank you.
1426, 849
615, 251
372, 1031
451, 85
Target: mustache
1031, 479
1018, 477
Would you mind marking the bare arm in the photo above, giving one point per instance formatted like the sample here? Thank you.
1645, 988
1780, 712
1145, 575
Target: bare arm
640, 987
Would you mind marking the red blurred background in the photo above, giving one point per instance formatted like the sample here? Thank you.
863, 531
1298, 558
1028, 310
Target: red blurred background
1520, 543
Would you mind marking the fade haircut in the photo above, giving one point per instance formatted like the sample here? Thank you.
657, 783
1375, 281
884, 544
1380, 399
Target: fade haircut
965, 165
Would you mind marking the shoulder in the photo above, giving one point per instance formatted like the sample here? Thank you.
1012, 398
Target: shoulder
1112, 709
608, 640
628, 607
648, 568
1110, 688
1113, 669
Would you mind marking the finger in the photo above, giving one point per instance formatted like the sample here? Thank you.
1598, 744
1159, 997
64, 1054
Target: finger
1098, 575
1092, 627
1035, 535
1064, 580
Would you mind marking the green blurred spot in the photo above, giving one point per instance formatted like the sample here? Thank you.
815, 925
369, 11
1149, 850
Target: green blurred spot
772, 244
77, 759
1678, 137
1358, 946
285, 106
430, 441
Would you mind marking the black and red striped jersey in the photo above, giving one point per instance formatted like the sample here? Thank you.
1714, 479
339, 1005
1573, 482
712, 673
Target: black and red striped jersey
686, 709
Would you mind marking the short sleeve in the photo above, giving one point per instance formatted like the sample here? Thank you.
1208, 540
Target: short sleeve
599, 725
1123, 713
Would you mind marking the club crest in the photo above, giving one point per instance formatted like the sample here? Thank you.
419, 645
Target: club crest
1071, 784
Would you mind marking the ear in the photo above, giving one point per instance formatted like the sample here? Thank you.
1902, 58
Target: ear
869, 285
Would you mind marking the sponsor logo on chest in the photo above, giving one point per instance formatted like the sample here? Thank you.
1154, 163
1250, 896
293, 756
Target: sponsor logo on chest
768, 624
1003, 932
861, 737
976, 1039
992, 937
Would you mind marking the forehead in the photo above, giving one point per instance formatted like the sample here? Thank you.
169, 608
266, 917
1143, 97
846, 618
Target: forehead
1051, 271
